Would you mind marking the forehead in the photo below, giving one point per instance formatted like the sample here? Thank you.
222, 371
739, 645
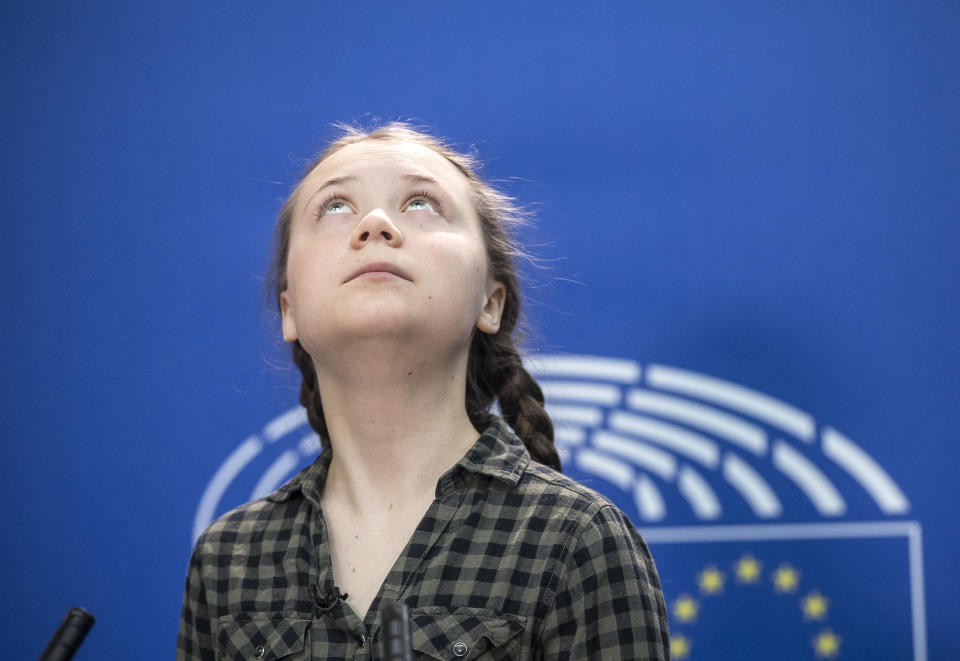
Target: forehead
371, 159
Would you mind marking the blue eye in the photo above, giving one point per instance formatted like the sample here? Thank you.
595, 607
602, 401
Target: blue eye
420, 204
337, 206
333, 205
424, 202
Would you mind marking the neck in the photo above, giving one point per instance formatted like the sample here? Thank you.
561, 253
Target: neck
397, 422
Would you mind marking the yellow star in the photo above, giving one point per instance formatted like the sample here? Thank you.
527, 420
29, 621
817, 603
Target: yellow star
826, 644
748, 569
785, 578
710, 580
685, 608
680, 647
814, 606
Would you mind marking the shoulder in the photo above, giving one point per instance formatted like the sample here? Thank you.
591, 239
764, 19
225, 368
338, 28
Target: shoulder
599, 532
573, 519
500, 454
229, 540
272, 517
577, 501
241, 523
251, 529
606, 595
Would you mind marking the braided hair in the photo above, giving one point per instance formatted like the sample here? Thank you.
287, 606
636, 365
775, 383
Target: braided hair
495, 372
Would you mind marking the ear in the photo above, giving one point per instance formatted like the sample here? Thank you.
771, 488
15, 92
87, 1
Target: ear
287, 323
496, 295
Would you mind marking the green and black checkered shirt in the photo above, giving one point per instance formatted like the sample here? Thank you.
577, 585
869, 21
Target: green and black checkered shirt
511, 561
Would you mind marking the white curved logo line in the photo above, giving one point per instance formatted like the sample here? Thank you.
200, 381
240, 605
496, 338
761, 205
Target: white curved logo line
866, 470
286, 465
646, 456
754, 489
578, 415
590, 367
818, 488
648, 500
726, 426
690, 444
564, 433
217, 486
273, 476
731, 395
703, 500
284, 423
613, 470
588, 393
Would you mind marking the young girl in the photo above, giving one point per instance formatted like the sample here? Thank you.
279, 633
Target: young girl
396, 287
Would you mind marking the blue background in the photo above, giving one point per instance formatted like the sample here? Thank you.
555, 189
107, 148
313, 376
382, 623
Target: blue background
767, 194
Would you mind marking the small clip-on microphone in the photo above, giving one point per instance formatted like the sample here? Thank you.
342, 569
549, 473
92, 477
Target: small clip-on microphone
325, 603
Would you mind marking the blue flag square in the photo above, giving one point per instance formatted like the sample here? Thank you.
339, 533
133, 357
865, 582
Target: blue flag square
792, 592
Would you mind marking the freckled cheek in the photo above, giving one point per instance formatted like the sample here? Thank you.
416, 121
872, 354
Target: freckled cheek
309, 283
298, 277
464, 271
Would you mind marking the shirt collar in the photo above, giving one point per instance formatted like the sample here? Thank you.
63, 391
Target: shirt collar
498, 454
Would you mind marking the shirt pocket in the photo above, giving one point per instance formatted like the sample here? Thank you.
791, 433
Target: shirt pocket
261, 638
465, 634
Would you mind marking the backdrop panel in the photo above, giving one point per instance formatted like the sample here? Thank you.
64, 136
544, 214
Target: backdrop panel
744, 315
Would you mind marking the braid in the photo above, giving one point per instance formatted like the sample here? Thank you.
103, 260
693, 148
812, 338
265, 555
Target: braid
496, 371
310, 393
521, 403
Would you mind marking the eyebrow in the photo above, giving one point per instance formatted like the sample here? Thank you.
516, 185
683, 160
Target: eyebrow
420, 178
336, 181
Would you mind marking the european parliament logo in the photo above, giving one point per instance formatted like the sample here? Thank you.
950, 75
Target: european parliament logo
775, 537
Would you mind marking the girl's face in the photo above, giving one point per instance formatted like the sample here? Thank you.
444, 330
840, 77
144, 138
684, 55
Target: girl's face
385, 242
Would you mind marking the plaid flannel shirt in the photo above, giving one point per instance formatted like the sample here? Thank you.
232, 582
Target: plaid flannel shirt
511, 561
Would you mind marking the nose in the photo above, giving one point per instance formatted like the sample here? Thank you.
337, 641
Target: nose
376, 226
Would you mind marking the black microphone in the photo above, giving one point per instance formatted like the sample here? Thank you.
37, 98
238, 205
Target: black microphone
395, 619
68, 636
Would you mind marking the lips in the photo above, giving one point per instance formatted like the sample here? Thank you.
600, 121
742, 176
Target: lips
379, 267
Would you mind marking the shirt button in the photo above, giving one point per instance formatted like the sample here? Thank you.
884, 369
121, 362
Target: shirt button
460, 648
259, 651
362, 640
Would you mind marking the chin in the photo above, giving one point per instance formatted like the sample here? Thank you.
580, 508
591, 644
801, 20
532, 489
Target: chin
354, 323
388, 319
